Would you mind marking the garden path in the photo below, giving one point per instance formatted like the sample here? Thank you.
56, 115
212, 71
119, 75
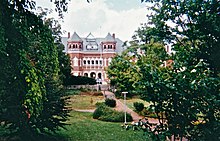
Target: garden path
121, 107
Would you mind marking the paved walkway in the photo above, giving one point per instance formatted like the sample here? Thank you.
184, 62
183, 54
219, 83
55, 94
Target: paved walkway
120, 107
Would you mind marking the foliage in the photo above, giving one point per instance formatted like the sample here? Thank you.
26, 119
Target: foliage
138, 106
188, 92
110, 102
123, 70
80, 80
122, 74
105, 113
30, 87
63, 58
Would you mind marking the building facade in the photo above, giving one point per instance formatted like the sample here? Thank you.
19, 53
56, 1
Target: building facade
91, 56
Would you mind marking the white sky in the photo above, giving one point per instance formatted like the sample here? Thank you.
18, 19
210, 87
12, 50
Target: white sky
99, 17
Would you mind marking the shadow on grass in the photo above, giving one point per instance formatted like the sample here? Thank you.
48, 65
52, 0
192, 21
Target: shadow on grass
39, 137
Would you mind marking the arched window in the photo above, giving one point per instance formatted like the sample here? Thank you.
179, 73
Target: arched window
88, 61
93, 75
104, 46
74, 46
93, 62
84, 62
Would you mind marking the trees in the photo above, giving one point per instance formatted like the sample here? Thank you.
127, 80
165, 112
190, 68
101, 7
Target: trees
188, 93
185, 95
122, 74
30, 88
124, 71
194, 20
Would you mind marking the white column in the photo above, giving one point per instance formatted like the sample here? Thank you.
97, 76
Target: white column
105, 62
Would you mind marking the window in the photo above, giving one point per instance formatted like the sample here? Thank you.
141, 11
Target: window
92, 61
95, 46
88, 61
104, 46
84, 62
89, 46
80, 46
73, 45
100, 62
96, 61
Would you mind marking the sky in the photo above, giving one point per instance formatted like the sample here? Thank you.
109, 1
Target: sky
99, 17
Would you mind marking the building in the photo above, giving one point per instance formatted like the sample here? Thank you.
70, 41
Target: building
90, 56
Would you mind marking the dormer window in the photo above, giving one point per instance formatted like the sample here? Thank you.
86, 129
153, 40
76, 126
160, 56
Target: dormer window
95, 47
109, 46
88, 46
92, 47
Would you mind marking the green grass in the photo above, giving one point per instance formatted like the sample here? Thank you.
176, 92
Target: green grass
130, 102
84, 101
84, 128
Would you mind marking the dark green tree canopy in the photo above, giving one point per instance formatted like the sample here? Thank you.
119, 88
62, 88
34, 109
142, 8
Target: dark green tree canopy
31, 91
192, 21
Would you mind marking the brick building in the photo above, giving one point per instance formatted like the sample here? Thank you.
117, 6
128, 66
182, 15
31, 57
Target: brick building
90, 56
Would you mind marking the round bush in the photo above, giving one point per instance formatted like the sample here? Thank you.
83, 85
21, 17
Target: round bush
138, 106
115, 116
99, 111
110, 102
105, 113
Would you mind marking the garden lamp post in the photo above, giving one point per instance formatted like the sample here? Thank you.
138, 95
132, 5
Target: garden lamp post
124, 93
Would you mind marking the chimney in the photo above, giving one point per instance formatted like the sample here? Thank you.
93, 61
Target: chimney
68, 34
113, 35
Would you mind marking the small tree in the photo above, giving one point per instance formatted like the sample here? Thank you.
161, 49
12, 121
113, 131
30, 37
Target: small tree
138, 106
110, 102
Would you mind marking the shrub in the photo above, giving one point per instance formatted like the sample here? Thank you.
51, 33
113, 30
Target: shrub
105, 113
99, 111
110, 102
115, 116
138, 106
80, 80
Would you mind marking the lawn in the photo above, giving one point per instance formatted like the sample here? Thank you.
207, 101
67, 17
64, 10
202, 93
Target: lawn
84, 101
84, 128
130, 102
